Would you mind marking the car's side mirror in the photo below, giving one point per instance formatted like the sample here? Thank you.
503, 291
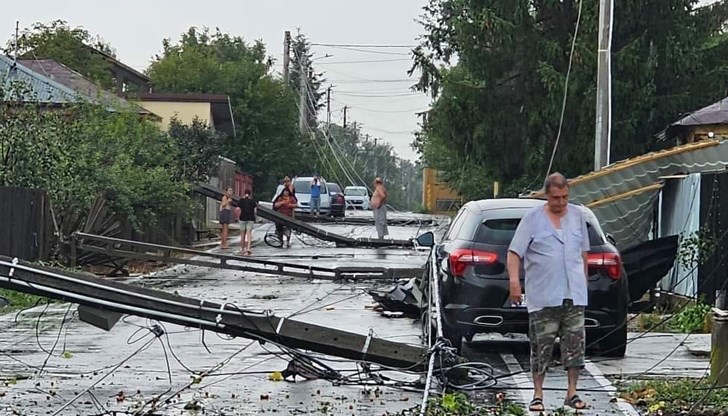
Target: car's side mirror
611, 240
426, 240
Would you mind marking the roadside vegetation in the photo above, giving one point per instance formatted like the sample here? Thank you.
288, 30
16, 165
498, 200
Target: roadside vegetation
458, 404
677, 397
496, 71
84, 150
694, 318
18, 300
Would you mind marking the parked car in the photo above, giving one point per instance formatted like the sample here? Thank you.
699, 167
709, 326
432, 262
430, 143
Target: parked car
475, 286
357, 197
302, 185
338, 203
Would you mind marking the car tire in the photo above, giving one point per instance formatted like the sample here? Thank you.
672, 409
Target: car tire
614, 344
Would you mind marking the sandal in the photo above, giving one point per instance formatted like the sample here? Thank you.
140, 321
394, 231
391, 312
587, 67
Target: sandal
575, 402
536, 405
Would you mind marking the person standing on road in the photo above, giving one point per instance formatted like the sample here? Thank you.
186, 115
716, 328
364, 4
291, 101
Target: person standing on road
378, 204
285, 204
248, 212
552, 241
287, 184
316, 196
225, 216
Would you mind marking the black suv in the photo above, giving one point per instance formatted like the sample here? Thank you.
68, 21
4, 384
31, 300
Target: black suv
475, 287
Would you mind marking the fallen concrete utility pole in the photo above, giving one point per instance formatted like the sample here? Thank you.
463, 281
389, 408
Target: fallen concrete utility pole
719, 348
222, 318
117, 247
396, 221
300, 226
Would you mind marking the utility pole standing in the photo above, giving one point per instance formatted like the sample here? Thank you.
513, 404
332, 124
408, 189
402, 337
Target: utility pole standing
603, 133
286, 55
17, 40
328, 107
345, 108
303, 107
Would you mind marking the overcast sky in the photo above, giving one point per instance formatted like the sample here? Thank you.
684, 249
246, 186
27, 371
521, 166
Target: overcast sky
378, 93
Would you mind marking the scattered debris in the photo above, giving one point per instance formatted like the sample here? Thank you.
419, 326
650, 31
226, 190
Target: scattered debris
388, 314
275, 376
264, 297
405, 298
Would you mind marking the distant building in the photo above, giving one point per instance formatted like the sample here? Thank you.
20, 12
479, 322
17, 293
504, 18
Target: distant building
437, 197
214, 110
700, 124
127, 78
62, 85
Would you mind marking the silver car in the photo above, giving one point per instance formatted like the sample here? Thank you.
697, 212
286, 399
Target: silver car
303, 194
357, 197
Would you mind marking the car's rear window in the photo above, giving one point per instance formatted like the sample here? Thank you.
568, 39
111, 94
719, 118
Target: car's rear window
497, 231
500, 232
355, 192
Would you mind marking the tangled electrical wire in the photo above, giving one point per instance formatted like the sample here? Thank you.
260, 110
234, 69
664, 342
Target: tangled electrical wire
302, 363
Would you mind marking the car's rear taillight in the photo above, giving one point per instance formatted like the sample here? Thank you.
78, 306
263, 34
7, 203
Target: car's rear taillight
460, 259
610, 262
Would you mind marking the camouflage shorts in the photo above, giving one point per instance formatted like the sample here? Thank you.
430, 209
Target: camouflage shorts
567, 322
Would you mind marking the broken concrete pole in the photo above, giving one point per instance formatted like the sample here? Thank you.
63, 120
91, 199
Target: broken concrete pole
719, 348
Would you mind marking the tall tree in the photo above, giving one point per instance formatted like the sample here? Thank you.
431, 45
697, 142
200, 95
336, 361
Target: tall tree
498, 109
301, 65
267, 143
71, 46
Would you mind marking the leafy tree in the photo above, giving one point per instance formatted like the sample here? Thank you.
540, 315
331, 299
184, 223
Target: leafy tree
267, 143
72, 47
497, 69
83, 150
30, 142
128, 160
197, 149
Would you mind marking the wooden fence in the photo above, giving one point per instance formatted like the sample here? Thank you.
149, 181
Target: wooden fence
25, 223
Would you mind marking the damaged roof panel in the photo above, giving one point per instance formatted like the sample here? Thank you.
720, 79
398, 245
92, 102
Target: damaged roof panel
630, 176
628, 217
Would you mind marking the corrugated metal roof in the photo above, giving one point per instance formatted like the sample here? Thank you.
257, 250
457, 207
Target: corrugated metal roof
80, 84
627, 217
41, 88
644, 173
716, 113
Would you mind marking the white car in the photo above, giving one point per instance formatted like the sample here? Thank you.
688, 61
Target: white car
357, 197
302, 185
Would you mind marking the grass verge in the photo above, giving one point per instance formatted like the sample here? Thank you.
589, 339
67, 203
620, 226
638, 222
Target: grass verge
677, 397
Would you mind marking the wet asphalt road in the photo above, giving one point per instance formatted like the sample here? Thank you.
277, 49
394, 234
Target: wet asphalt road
85, 356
